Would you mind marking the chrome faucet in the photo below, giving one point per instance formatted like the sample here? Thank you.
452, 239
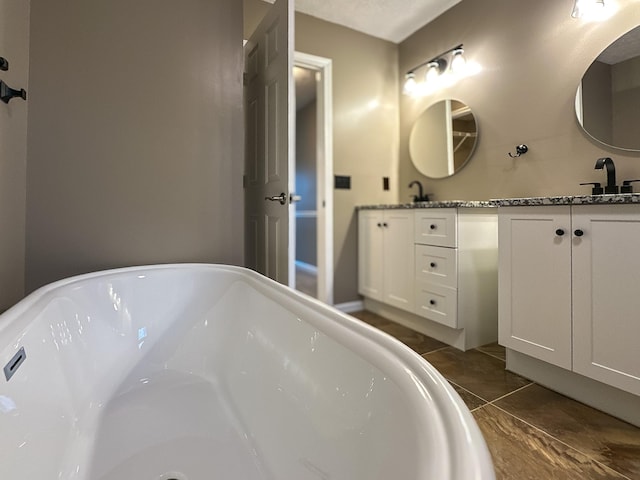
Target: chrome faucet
607, 162
421, 197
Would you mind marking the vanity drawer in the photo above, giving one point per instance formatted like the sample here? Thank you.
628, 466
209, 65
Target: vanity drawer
436, 226
437, 265
437, 303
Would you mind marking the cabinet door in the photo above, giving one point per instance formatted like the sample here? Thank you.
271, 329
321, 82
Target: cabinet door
534, 282
606, 294
399, 268
370, 253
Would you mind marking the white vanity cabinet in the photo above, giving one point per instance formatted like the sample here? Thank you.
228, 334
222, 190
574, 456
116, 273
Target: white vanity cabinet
436, 266
386, 255
569, 288
455, 272
534, 284
436, 269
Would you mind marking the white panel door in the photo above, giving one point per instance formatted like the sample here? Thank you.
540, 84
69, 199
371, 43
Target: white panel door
606, 294
370, 253
534, 291
269, 149
399, 258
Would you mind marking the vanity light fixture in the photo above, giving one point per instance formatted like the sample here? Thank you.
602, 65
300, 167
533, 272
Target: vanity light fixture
451, 61
588, 8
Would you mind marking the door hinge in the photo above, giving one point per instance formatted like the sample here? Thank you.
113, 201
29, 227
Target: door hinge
244, 181
245, 78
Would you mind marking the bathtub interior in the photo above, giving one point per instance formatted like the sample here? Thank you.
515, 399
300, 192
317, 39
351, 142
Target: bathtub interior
212, 372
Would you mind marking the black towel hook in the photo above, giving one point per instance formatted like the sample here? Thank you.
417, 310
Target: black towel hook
520, 150
7, 93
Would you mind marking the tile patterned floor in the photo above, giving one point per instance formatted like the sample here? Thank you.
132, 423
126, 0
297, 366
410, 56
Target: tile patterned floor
306, 282
532, 432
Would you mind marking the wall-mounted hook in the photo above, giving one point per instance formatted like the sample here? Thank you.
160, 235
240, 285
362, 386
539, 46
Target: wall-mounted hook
4, 64
520, 150
7, 93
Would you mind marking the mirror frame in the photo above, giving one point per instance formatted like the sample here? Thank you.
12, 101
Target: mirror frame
419, 163
578, 106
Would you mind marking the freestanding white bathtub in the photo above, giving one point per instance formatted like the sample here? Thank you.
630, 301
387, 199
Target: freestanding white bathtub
194, 372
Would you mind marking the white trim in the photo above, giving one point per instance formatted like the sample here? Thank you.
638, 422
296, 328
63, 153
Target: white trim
306, 267
349, 307
324, 170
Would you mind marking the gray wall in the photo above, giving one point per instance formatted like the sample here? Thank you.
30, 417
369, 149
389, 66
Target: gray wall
626, 98
524, 94
14, 46
597, 101
365, 133
135, 146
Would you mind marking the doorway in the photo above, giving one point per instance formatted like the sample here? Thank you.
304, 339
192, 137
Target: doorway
313, 252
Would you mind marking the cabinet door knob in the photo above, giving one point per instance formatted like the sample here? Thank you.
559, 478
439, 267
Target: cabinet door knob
578, 233
379, 224
432, 302
385, 224
560, 232
433, 265
433, 226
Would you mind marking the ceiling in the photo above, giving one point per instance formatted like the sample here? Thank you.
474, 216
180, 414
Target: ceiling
392, 20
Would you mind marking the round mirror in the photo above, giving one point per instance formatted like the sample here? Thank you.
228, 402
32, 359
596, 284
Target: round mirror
443, 139
608, 98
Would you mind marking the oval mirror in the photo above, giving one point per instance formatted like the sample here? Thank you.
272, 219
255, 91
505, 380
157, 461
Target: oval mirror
443, 139
608, 98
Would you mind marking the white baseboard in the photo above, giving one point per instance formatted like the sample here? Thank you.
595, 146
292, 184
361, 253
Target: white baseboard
349, 307
307, 267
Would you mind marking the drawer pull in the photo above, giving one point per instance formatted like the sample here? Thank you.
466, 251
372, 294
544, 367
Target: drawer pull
433, 265
433, 226
432, 302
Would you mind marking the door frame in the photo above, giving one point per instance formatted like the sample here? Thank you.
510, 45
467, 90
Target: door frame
324, 172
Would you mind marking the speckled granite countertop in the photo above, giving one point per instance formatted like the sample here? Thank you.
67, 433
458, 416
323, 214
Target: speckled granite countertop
442, 204
568, 200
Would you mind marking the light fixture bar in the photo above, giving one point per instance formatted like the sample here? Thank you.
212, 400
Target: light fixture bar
434, 59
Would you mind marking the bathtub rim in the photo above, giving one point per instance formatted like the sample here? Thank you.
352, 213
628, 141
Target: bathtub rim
473, 461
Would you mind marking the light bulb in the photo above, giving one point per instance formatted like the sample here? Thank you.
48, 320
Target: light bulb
410, 84
433, 72
591, 9
458, 62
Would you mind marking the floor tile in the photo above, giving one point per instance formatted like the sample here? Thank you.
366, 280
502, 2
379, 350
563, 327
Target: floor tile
602, 437
471, 401
494, 350
306, 282
371, 318
481, 374
520, 451
414, 340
